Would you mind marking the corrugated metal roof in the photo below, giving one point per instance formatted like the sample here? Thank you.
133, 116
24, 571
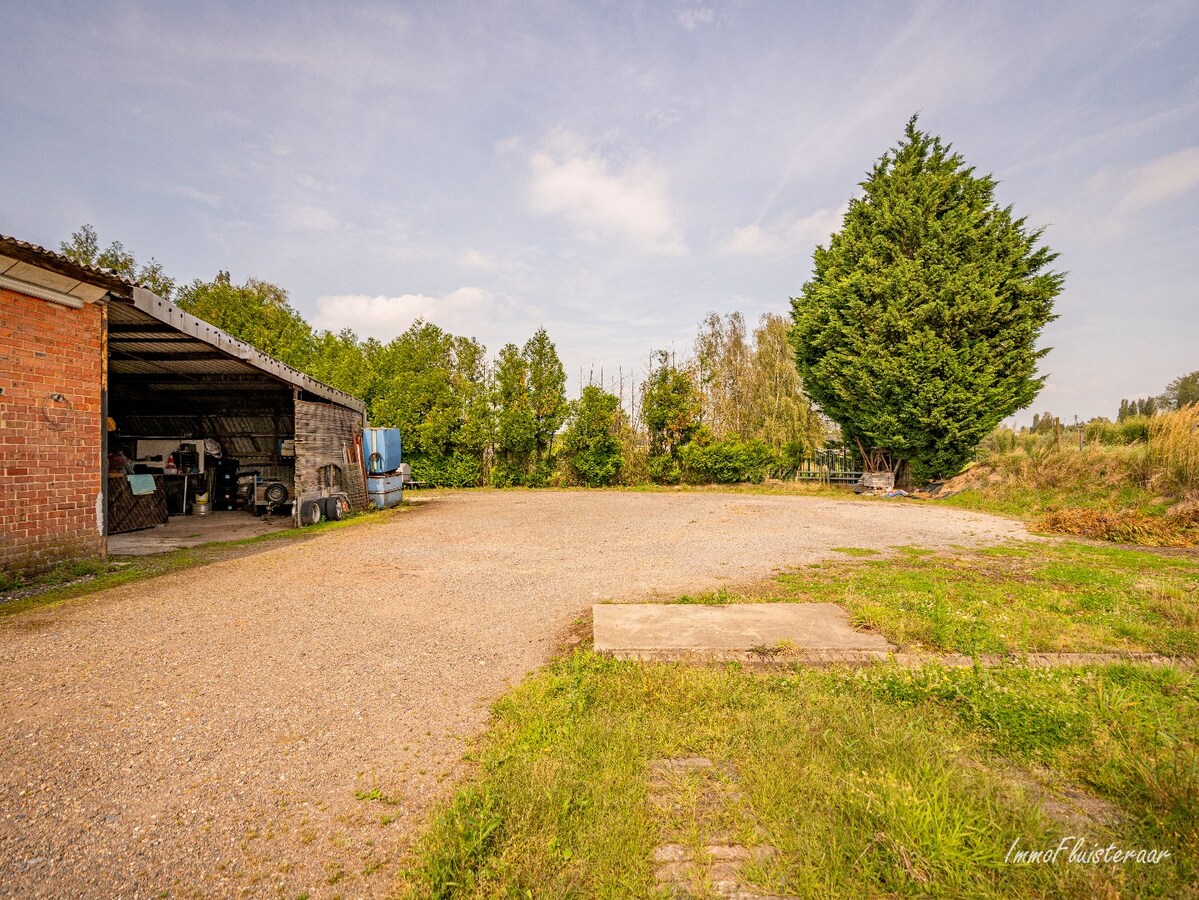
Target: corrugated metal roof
170, 348
180, 365
154, 307
56, 262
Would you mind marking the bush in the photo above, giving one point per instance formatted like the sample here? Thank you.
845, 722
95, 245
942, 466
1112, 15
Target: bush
522, 473
664, 469
599, 464
590, 445
726, 462
1129, 430
634, 458
457, 470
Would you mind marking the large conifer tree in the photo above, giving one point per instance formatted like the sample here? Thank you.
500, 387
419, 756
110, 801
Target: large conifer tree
917, 332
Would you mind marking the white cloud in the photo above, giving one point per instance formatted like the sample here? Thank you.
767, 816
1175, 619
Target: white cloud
692, 19
462, 311
572, 180
787, 238
476, 259
308, 218
663, 116
312, 183
1162, 179
191, 193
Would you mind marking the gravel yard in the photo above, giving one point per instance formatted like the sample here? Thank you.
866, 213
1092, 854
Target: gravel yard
281, 723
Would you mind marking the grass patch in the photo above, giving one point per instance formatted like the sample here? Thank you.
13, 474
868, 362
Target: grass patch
376, 795
78, 579
718, 597
869, 783
1023, 598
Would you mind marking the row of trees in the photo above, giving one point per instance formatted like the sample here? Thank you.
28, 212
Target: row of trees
732, 410
1133, 420
1182, 391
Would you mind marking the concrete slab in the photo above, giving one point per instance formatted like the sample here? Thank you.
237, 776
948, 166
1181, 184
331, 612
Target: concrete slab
191, 531
625, 628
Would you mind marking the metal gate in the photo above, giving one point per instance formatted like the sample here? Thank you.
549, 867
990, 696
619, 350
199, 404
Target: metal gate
833, 465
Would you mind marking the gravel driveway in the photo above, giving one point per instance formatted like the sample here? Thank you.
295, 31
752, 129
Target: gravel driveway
220, 730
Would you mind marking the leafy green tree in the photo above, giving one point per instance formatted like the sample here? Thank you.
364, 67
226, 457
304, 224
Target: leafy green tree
778, 412
342, 361
670, 408
516, 425
84, 248
547, 392
1182, 391
917, 332
430, 384
723, 360
256, 312
591, 443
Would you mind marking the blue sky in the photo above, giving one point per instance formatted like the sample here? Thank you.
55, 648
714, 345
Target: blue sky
609, 170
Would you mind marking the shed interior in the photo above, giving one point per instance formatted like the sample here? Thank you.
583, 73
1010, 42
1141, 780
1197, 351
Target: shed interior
166, 387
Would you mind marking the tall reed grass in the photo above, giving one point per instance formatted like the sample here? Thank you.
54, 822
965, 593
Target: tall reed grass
1145, 492
1173, 451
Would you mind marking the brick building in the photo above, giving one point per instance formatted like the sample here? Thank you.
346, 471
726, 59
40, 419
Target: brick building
91, 364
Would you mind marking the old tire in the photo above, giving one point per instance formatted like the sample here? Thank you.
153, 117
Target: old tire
333, 510
276, 492
310, 512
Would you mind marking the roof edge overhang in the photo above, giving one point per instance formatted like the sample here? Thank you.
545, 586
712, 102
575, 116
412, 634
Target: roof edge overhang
169, 314
26, 257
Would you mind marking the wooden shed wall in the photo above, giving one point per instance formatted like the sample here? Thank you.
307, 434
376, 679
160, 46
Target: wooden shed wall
328, 434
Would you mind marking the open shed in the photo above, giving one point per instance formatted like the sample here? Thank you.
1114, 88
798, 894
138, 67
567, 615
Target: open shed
105, 385
173, 377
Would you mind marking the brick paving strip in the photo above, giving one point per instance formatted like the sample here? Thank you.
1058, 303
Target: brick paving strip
707, 794
771, 658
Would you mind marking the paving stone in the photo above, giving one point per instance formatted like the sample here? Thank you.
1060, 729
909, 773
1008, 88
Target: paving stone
670, 853
778, 627
718, 868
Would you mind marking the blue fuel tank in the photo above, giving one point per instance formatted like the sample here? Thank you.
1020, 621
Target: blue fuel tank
385, 491
381, 450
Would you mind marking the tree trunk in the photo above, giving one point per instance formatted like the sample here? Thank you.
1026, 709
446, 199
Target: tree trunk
903, 476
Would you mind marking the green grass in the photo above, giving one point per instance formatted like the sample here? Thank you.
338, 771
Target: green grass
718, 597
875, 782
77, 579
1054, 597
1024, 501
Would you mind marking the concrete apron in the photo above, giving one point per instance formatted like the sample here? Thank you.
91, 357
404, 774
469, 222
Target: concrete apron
680, 631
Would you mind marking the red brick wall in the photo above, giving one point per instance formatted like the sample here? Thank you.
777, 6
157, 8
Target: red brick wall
50, 451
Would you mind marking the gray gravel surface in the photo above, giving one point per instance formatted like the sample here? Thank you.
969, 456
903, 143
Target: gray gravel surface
214, 732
